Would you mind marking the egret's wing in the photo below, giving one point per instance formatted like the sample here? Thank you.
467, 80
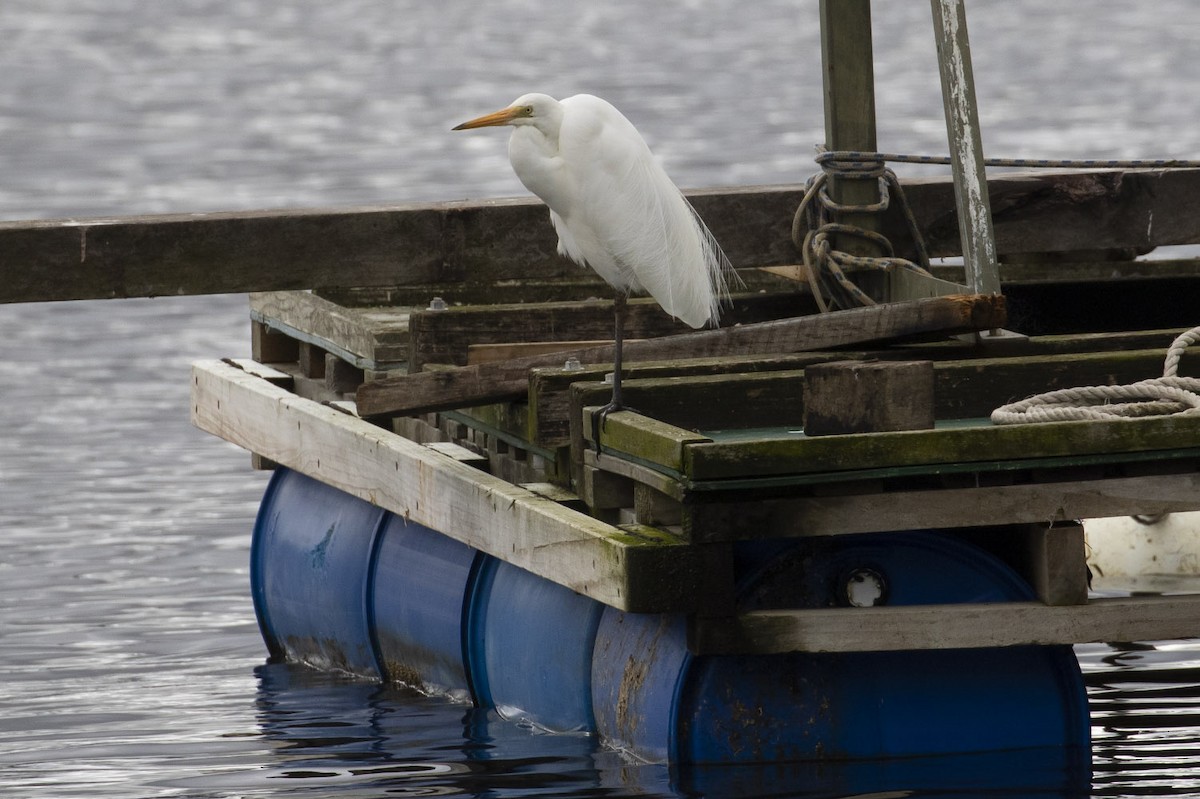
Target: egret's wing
636, 227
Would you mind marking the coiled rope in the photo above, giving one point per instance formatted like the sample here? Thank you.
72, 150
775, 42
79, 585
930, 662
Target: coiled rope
1169, 395
813, 226
813, 229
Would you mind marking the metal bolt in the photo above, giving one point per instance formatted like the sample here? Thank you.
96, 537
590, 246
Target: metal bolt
437, 304
572, 365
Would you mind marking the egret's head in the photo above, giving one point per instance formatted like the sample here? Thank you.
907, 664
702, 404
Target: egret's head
527, 109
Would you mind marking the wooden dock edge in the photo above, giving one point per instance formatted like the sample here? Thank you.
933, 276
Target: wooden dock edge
964, 626
638, 568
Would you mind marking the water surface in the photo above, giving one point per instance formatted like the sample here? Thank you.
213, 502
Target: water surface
130, 665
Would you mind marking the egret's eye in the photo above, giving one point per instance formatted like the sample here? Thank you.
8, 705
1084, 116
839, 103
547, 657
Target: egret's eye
527, 111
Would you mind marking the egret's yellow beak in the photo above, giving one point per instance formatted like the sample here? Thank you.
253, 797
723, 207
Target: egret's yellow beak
502, 117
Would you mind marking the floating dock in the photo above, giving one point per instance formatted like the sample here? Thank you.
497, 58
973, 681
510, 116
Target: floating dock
712, 524
807, 543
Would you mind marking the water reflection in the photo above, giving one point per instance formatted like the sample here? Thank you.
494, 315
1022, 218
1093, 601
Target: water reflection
1145, 706
348, 736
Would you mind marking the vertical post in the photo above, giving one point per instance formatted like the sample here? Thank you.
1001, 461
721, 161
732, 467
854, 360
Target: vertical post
966, 146
848, 68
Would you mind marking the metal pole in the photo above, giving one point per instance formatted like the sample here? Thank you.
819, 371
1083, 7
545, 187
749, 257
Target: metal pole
848, 79
966, 146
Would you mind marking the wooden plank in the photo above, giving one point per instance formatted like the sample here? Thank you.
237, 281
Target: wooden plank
874, 508
966, 146
966, 626
1061, 211
778, 455
444, 336
482, 383
505, 351
369, 338
643, 438
973, 388
494, 242
650, 571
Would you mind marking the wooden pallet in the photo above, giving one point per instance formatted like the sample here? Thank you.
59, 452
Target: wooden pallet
684, 566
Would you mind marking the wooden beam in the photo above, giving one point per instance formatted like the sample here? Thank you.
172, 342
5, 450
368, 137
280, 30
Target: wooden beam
966, 626
444, 336
491, 242
644, 571
932, 450
482, 383
367, 337
874, 511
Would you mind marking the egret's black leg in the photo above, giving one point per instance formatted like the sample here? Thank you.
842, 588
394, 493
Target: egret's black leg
616, 403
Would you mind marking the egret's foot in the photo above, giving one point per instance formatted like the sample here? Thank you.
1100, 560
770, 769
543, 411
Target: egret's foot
600, 415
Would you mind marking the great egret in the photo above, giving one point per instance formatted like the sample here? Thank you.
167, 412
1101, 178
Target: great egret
614, 208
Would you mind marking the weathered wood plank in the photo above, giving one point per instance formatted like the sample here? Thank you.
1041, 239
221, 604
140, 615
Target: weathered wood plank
966, 145
482, 383
648, 571
368, 337
963, 626
1062, 211
644, 438
868, 509
444, 336
778, 455
499, 241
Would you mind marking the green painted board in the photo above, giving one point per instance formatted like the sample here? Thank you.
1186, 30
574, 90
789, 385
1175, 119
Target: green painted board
794, 453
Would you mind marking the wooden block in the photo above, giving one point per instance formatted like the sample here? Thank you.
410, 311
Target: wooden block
875, 397
654, 507
605, 491
341, 376
261, 464
1055, 560
312, 360
271, 346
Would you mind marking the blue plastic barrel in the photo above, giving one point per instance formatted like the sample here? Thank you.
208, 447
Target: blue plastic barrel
420, 580
308, 572
664, 704
530, 647
340, 584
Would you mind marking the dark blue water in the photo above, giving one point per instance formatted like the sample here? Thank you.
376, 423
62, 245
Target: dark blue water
130, 665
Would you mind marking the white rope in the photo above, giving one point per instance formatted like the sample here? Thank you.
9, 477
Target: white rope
1168, 395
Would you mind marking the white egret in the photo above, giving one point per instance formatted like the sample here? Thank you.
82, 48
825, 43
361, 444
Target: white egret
614, 208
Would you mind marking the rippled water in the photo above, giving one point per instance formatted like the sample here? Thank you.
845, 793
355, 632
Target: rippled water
130, 664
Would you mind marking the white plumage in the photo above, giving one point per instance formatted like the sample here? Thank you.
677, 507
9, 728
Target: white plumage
613, 206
